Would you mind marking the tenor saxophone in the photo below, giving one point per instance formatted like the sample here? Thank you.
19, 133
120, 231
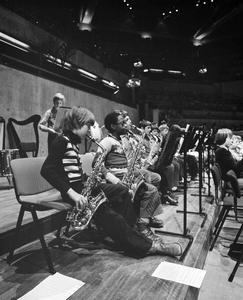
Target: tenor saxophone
80, 218
129, 179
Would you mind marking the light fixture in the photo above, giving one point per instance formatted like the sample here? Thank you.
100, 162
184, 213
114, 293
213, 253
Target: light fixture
116, 91
13, 42
203, 70
88, 74
138, 64
133, 82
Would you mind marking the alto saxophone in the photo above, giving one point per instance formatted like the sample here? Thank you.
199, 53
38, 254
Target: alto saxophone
80, 218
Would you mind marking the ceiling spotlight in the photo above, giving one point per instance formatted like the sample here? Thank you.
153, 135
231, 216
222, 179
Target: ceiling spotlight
203, 70
133, 82
138, 64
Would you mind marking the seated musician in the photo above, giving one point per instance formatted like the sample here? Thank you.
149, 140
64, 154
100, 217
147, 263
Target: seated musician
166, 173
223, 156
130, 142
146, 200
63, 170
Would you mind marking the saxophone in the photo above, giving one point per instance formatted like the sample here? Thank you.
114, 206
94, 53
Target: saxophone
129, 179
78, 218
154, 151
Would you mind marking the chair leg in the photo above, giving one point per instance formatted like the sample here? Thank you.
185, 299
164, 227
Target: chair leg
43, 243
238, 234
221, 214
58, 233
221, 223
232, 275
15, 239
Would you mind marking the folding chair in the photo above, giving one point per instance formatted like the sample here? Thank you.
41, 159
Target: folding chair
224, 199
236, 248
34, 194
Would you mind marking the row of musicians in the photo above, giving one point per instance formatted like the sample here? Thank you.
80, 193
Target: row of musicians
127, 222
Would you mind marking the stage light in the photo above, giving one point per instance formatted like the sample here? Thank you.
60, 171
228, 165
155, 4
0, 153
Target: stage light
138, 64
133, 82
203, 70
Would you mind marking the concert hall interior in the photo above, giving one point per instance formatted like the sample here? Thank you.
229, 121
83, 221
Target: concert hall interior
141, 100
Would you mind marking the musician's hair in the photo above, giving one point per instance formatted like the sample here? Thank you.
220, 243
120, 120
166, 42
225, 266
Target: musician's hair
59, 96
111, 118
222, 134
122, 112
76, 117
163, 126
144, 123
154, 126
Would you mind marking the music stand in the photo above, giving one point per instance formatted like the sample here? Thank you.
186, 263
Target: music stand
198, 137
204, 140
208, 143
184, 234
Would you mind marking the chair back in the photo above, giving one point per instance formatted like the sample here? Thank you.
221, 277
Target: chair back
231, 176
238, 201
27, 178
216, 175
218, 166
24, 146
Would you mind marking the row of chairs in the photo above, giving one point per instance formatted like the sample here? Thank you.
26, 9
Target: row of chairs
228, 195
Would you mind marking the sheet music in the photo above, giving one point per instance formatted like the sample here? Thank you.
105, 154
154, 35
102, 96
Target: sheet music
179, 273
54, 287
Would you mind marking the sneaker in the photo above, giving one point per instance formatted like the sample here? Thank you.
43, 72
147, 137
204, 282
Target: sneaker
145, 230
159, 247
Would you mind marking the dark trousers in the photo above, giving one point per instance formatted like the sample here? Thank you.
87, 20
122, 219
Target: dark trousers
117, 218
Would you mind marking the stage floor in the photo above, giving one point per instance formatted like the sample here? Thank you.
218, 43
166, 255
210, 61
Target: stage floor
106, 271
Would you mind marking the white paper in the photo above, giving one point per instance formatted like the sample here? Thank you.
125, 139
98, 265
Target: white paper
54, 287
179, 273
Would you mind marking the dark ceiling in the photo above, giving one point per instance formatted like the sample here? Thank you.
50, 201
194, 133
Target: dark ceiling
171, 27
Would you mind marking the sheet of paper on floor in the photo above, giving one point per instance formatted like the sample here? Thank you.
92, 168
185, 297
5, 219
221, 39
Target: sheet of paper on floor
179, 273
54, 287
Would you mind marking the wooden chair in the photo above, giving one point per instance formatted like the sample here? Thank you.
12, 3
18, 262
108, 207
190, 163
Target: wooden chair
236, 248
24, 147
34, 194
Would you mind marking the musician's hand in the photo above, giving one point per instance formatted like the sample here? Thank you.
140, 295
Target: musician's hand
131, 193
52, 131
133, 186
80, 201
